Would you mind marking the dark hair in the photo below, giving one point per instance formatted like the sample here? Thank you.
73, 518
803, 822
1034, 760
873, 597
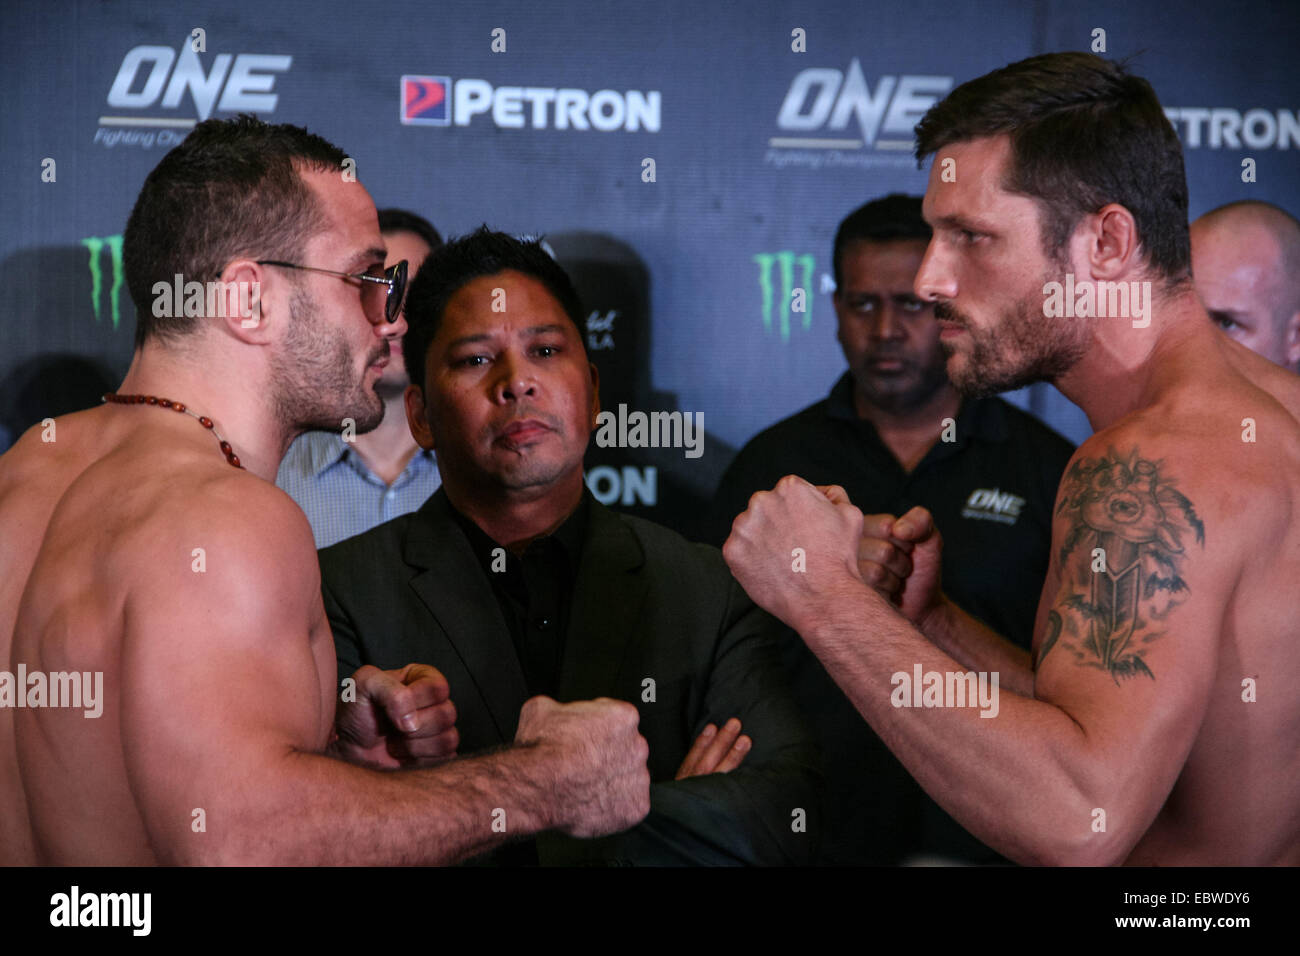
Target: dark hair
1084, 133
896, 216
453, 266
231, 189
402, 220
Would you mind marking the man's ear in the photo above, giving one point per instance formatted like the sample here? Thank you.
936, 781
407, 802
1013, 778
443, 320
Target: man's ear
1113, 247
416, 420
595, 392
239, 304
841, 316
1291, 341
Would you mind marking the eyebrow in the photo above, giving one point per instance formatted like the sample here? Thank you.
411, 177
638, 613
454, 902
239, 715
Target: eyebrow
374, 253
956, 221
485, 336
866, 294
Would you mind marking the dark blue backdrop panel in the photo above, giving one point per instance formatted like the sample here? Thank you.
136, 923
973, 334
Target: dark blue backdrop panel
758, 151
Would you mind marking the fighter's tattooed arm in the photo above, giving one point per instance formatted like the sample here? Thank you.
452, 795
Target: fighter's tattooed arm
1129, 530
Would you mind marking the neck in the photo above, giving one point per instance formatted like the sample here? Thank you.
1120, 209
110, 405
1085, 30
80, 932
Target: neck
387, 449
518, 517
923, 416
1125, 367
236, 402
910, 433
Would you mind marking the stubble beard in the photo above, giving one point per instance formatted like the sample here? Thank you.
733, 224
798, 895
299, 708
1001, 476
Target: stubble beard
314, 385
1023, 348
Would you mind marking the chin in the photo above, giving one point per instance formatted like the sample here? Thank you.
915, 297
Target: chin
534, 474
368, 415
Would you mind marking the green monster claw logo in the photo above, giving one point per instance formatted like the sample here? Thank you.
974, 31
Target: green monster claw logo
95, 244
792, 298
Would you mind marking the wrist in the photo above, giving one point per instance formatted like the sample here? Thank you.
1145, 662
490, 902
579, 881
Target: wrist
838, 610
536, 791
935, 619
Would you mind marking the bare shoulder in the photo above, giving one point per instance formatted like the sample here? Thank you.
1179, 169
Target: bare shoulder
235, 524
1223, 450
1142, 482
38, 454
34, 475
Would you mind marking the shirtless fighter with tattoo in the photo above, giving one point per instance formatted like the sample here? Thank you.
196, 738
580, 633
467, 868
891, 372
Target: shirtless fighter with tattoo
147, 541
1156, 720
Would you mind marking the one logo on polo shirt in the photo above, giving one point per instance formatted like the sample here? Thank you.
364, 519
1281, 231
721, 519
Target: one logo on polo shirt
993, 504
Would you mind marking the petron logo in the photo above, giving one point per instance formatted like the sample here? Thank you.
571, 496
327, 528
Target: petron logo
425, 101
96, 245
438, 101
158, 76
821, 103
1223, 128
782, 299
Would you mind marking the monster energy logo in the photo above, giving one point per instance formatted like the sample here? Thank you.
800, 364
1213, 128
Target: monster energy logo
793, 298
96, 244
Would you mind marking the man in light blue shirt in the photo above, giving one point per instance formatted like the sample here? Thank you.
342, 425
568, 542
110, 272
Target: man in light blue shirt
347, 483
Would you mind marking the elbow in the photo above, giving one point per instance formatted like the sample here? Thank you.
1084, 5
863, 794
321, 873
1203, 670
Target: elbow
1093, 850
1084, 839
1088, 828
216, 852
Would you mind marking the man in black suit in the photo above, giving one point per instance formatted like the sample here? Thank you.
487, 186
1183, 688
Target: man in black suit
513, 581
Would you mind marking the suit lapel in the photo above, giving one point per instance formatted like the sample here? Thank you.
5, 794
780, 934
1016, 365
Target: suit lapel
451, 585
606, 610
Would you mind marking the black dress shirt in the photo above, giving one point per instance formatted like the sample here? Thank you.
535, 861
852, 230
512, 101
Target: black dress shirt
534, 591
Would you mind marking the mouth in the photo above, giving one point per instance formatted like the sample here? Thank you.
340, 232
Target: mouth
886, 365
522, 432
949, 329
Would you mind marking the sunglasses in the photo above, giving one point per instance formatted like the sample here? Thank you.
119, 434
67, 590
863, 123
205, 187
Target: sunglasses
393, 279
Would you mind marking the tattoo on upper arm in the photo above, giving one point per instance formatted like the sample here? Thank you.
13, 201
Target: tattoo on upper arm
1132, 526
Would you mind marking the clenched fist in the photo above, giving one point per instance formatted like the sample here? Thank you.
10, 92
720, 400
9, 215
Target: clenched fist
400, 718
796, 547
901, 558
601, 784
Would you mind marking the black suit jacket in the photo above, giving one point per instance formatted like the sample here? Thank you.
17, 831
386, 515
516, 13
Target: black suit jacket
647, 605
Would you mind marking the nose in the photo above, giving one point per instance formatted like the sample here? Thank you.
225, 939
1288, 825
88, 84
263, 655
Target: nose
888, 323
515, 380
935, 280
391, 330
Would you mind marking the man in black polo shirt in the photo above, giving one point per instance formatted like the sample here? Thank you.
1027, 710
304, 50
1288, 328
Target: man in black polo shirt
894, 433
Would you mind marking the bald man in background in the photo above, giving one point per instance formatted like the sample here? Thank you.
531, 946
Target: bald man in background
1246, 266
